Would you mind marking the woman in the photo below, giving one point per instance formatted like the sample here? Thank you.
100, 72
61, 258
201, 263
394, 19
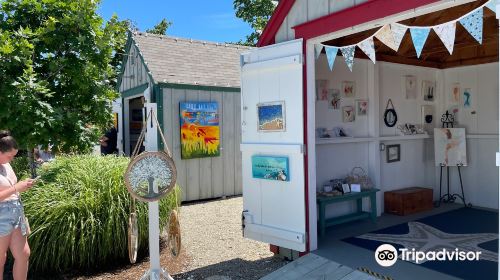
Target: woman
13, 228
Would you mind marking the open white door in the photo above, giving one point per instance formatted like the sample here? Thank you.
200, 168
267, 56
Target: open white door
274, 211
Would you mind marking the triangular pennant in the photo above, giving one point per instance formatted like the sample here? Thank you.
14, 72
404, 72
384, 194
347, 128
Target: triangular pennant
331, 54
317, 50
368, 47
446, 33
385, 36
348, 53
474, 24
419, 36
398, 32
492, 5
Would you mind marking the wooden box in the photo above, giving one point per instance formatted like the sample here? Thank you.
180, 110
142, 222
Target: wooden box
408, 201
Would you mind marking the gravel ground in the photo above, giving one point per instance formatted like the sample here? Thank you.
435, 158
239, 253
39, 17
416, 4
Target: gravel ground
213, 248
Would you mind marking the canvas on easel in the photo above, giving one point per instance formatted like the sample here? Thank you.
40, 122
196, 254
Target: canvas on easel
450, 147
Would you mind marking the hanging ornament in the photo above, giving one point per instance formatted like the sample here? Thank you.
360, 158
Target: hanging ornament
368, 47
474, 24
446, 32
385, 36
419, 36
398, 32
331, 54
317, 50
390, 116
348, 53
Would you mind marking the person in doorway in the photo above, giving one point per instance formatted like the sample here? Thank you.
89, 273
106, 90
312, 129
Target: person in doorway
108, 142
13, 225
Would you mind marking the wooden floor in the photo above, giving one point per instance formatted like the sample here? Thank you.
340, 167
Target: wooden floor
312, 266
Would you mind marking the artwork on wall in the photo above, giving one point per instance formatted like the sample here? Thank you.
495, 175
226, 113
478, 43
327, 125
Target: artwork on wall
428, 90
270, 168
410, 87
390, 116
348, 114
334, 99
321, 89
200, 132
393, 152
361, 107
450, 147
427, 120
455, 94
467, 98
271, 116
349, 89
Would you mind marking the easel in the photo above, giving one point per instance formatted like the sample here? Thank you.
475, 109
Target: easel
448, 119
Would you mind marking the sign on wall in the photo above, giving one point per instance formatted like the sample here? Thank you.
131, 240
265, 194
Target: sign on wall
200, 132
270, 168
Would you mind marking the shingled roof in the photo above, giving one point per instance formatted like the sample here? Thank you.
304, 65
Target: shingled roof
185, 61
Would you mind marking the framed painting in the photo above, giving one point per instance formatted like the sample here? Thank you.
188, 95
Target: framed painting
450, 147
200, 131
271, 116
270, 168
349, 89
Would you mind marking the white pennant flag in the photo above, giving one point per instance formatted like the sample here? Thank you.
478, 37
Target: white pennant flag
317, 50
398, 32
368, 47
385, 36
446, 33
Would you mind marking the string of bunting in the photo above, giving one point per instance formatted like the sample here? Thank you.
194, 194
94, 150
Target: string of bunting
392, 34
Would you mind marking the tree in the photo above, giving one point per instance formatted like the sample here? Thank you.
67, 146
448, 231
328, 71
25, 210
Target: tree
160, 28
255, 12
56, 71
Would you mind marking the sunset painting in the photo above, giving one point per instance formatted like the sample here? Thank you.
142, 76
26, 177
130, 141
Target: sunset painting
200, 136
271, 116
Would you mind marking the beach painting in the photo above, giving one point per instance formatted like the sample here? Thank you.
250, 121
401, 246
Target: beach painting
270, 168
200, 132
271, 116
450, 147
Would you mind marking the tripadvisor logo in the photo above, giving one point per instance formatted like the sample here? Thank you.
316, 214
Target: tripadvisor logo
386, 255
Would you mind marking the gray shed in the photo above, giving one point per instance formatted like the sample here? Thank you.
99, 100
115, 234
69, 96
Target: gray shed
166, 71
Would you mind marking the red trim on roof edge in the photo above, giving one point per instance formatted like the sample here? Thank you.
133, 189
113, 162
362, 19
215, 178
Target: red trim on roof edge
274, 24
362, 13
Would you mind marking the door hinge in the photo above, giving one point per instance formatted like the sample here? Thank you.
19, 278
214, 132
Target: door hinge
243, 222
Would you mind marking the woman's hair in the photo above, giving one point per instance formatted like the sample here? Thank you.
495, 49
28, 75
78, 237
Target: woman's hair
7, 142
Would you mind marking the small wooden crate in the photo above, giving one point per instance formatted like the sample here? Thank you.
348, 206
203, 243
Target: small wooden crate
408, 201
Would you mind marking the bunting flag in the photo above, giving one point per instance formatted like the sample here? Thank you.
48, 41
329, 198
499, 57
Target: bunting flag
317, 50
419, 36
348, 53
474, 24
398, 32
492, 5
386, 37
331, 54
368, 47
446, 32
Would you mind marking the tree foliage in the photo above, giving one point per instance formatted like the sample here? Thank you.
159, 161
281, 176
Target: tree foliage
160, 28
256, 13
58, 63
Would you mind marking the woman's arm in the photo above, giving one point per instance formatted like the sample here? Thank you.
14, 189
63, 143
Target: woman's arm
21, 186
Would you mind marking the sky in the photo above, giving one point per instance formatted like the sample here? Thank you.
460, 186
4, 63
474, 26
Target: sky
208, 20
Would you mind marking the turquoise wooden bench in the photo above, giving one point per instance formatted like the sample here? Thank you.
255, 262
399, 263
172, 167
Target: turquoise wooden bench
323, 201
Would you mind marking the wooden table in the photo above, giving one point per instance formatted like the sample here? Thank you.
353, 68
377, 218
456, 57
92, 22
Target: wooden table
323, 201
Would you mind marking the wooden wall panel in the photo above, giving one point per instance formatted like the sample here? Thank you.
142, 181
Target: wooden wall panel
218, 162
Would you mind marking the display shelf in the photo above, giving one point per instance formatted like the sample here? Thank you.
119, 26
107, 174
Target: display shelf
404, 137
343, 140
482, 136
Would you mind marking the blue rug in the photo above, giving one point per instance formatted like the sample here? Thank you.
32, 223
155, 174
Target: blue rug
467, 229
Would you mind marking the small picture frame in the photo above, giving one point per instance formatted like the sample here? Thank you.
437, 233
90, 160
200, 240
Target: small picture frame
361, 107
393, 153
349, 89
346, 188
271, 117
428, 90
348, 114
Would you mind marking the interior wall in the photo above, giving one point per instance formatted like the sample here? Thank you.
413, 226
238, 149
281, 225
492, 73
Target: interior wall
417, 166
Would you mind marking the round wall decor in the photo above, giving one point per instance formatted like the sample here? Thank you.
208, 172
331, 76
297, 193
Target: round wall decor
390, 116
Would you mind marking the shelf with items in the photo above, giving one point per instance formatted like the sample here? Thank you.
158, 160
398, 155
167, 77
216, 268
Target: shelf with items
343, 140
404, 137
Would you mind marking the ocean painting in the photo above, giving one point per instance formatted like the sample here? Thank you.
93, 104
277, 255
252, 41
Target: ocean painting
270, 168
271, 116
200, 132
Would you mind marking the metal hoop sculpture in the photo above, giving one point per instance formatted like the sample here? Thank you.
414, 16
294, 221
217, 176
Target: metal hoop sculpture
174, 234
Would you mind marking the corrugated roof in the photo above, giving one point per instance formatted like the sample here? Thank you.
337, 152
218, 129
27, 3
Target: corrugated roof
192, 62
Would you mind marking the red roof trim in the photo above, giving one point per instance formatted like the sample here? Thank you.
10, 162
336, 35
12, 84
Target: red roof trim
362, 13
272, 27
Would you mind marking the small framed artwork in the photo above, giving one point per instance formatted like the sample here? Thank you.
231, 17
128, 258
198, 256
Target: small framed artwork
393, 152
361, 107
355, 188
349, 89
271, 116
270, 168
455, 94
467, 98
334, 99
346, 188
410, 87
321, 89
428, 90
348, 114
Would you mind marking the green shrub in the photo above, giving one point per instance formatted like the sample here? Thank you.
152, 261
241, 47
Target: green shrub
21, 166
79, 213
